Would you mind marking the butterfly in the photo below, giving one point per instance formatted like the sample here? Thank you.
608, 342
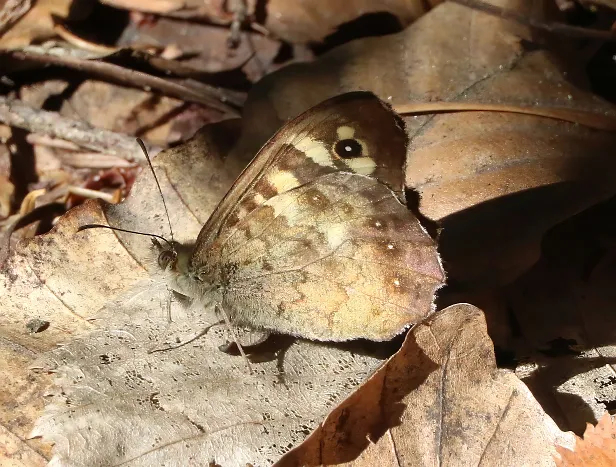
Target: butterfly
312, 239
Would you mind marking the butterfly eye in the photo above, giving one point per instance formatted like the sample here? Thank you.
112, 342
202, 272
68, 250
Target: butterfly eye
348, 148
166, 258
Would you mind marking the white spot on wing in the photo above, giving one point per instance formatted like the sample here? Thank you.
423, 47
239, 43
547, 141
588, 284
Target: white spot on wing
335, 235
283, 204
361, 165
345, 132
282, 181
315, 150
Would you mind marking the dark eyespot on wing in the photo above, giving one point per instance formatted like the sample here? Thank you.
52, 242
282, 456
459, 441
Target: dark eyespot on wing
349, 148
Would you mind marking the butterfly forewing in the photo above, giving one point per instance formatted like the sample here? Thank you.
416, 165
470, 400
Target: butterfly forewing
309, 242
306, 148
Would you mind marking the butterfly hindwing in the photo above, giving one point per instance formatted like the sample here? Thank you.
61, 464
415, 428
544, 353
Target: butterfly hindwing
336, 259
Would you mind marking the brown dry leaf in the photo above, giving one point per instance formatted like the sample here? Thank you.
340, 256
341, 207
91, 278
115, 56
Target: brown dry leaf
11, 11
16, 453
156, 407
295, 22
20, 406
564, 309
190, 404
7, 189
440, 399
255, 52
156, 118
313, 21
192, 8
495, 181
597, 449
126, 110
38, 23
65, 282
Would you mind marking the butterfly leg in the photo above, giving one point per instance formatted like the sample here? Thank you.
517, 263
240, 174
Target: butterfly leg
201, 333
195, 307
234, 335
249, 339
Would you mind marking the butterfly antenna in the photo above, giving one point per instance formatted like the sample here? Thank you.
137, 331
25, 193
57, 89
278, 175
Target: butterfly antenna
101, 226
147, 157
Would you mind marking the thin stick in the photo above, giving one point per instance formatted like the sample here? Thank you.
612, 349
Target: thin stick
82, 43
594, 120
225, 100
15, 113
88, 193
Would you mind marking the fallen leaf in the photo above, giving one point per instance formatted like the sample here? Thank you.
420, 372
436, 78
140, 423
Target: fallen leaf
563, 308
38, 23
291, 22
126, 110
20, 405
494, 181
193, 8
7, 189
11, 11
597, 449
64, 279
16, 453
440, 399
312, 21
254, 50
189, 403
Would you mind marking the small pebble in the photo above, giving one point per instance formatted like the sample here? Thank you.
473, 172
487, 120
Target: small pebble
37, 325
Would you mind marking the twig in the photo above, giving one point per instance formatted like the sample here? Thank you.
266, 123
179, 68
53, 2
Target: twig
224, 100
594, 120
92, 160
549, 26
239, 9
17, 114
75, 157
44, 140
84, 44
87, 193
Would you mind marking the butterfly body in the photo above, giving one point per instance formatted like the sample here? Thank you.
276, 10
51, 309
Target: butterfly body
309, 242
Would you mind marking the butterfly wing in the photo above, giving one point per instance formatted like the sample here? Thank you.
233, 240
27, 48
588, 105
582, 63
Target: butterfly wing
309, 243
306, 147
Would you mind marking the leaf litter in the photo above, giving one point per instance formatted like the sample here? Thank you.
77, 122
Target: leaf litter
495, 182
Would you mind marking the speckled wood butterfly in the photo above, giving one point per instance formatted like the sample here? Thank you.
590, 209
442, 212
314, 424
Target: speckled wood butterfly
312, 240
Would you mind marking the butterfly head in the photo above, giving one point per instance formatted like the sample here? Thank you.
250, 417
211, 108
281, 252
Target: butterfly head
174, 260
168, 254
